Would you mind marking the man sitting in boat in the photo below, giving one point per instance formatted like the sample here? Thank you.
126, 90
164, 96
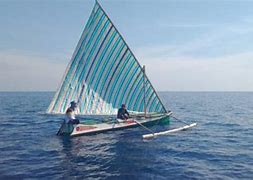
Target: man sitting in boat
70, 113
122, 113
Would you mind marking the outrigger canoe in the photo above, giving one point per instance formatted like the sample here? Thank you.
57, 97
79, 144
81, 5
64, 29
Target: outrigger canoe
103, 74
88, 129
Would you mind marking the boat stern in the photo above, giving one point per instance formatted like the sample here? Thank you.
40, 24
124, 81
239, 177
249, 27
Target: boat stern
66, 129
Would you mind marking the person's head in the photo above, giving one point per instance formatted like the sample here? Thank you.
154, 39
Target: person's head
123, 106
73, 104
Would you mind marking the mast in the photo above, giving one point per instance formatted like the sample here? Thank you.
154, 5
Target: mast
144, 92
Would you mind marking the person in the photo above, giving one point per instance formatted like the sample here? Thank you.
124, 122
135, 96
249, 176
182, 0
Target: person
122, 113
70, 113
73, 106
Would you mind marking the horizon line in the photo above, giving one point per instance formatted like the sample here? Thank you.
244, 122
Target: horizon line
163, 91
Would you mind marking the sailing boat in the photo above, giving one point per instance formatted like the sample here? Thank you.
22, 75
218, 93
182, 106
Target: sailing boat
103, 74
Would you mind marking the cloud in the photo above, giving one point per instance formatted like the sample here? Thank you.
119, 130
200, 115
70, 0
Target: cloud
186, 25
215, 40
247, 19
26, 72
225, 73
245, 26
209, 39
23, 71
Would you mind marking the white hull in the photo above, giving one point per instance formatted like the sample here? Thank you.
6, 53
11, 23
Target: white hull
85, 129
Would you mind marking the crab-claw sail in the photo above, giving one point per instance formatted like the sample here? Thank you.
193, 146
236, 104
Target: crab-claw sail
103, 73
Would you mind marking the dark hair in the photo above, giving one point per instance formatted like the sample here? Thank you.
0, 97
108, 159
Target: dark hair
123, 105
73, 103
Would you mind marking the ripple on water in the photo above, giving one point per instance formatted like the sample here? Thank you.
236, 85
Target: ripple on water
220, 147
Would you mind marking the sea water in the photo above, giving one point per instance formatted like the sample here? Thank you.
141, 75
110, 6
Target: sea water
220, 147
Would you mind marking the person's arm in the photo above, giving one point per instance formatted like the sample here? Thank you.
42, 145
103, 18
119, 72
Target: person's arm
119, 114
127, 112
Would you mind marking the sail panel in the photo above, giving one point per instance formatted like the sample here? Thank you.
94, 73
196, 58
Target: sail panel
103, 73
54, 106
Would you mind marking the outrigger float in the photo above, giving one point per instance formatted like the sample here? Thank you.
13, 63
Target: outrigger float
103, 74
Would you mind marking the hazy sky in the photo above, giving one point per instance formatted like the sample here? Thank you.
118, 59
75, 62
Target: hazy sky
186, 45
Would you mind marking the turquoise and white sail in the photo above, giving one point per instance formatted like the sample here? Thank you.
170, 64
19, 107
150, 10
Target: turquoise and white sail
103, 73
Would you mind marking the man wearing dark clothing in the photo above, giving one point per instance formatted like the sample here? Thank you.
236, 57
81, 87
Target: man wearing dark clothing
122, 113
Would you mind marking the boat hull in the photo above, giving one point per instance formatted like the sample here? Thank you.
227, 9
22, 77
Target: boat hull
88, 129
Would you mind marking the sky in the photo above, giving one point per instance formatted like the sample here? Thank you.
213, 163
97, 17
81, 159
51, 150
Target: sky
186, 45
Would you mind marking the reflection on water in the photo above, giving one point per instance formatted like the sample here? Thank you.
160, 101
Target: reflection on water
100, 155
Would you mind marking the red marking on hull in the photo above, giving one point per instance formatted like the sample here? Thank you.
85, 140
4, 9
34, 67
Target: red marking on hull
129, 122
84, 128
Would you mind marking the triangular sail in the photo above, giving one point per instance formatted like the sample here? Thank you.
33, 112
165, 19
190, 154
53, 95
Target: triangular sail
103, 73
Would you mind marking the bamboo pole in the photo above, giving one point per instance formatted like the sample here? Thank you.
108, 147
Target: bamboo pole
144, 92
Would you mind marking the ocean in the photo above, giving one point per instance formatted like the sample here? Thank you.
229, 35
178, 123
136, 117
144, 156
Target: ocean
219, 147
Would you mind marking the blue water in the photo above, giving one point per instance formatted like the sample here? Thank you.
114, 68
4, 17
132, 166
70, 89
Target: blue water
220, 147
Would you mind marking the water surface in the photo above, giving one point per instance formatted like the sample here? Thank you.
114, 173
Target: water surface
220, 147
